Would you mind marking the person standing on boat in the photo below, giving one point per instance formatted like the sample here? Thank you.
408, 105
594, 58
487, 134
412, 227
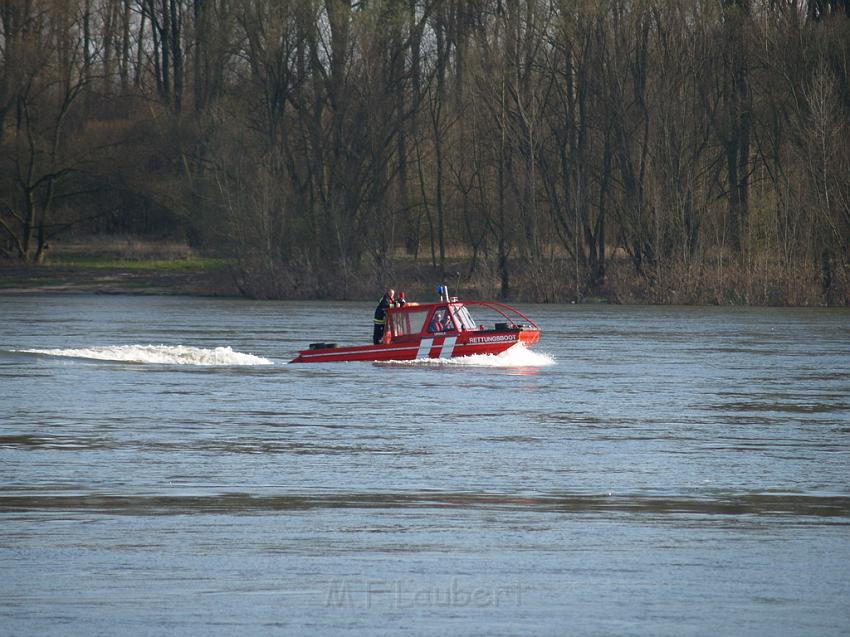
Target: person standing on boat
387, 301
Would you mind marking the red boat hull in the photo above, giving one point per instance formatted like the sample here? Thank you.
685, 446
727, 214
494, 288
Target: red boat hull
436, 346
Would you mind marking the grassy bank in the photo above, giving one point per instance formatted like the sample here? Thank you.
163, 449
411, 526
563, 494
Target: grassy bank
159, 277
121, 266
137, 267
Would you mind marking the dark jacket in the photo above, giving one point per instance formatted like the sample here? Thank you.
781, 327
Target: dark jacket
381, 310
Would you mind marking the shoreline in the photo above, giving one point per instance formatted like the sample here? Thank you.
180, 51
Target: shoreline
180, 277
50, 279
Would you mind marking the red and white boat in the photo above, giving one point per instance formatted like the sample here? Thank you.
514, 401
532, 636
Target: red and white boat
444, 329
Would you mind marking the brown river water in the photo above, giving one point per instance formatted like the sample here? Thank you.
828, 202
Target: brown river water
641, 471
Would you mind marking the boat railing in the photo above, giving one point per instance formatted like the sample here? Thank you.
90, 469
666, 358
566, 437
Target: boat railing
511, 314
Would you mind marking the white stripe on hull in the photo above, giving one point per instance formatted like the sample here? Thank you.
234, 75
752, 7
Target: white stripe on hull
424, 348
448, 347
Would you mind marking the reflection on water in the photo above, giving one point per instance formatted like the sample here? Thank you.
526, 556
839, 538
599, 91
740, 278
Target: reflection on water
641, 470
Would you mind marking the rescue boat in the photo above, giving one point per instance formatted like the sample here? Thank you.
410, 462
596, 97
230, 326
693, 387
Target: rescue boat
444, 329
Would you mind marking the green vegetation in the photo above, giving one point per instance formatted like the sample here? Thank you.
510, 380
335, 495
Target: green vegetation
150, 265
29, 282
631, 150
113, 274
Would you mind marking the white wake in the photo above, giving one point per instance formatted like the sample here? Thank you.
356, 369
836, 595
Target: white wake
516, 356
158, 354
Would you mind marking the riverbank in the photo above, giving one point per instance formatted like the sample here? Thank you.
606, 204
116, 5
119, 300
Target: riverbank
120, 265
220, 278
191, 277
161, 268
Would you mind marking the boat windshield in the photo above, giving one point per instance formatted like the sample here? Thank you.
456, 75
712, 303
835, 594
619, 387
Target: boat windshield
463, 318
441, 321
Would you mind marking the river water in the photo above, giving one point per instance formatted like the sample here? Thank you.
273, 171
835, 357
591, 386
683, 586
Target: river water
641, 471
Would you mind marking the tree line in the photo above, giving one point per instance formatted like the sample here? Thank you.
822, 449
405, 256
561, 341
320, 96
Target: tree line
680, 150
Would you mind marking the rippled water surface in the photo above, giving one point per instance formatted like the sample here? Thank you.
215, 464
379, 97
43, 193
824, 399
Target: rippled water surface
642, 471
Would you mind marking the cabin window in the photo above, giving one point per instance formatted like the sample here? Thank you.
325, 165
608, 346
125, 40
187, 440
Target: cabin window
463, 318
441, 321
408, 322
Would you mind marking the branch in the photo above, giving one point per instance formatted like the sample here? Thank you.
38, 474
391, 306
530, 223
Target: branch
14, 214
64, 226
51, 177
12, 234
